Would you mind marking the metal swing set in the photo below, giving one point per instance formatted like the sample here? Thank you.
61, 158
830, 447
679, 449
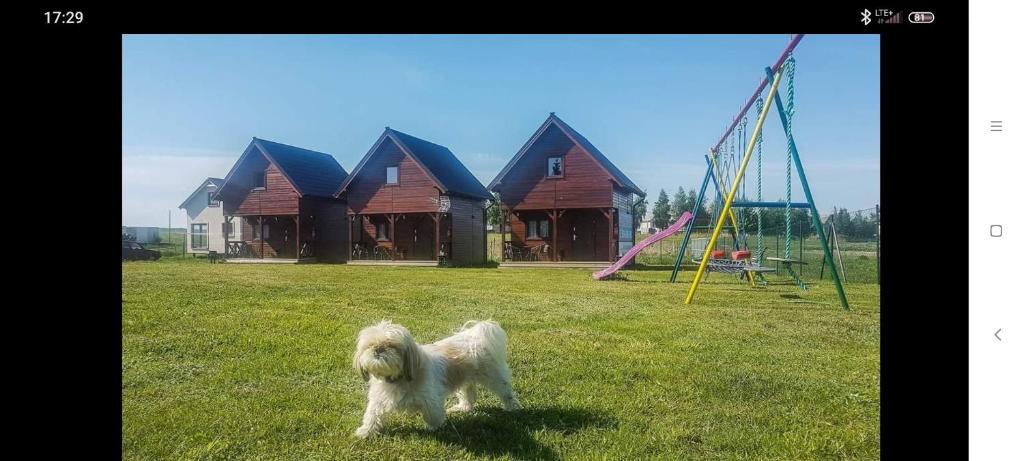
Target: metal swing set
723, 167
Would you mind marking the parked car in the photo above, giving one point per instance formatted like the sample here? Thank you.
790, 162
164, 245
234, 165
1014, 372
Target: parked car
134, 251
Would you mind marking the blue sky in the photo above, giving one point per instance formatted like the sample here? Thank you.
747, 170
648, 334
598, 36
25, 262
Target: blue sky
652, 104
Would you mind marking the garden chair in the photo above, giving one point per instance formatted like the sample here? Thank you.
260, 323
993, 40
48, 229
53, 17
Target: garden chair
513, 252
537, 251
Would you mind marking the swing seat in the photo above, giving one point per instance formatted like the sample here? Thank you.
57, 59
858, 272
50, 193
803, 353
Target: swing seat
740, 255
718, 254
725, 265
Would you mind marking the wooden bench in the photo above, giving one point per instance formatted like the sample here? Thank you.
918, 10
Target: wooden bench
785, 261
788, 264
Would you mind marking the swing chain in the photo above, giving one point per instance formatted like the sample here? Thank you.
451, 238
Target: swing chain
757, 211
790, 110
741, 233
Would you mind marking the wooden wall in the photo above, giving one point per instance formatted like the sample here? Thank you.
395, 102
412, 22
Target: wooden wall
368, 227
369, 193
590, 228
469, 231
582, 235
322, 222
274, 246
327, 218
518, 228
623, 201
279, 198
237, 187
584, 183
413, 233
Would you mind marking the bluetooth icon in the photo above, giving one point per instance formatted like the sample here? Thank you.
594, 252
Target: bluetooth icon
865, 16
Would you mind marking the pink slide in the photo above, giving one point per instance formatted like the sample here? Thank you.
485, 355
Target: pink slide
675, 227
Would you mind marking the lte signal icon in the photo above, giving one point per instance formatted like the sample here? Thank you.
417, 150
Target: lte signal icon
865, 16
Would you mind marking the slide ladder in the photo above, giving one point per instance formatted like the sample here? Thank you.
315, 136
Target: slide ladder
675, 227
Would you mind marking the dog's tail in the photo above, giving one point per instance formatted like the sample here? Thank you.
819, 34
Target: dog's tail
493, 339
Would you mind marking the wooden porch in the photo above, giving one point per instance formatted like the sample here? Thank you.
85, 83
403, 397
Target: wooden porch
282, 238
415, 239
554, 264
406, 262
270, 260
560, 235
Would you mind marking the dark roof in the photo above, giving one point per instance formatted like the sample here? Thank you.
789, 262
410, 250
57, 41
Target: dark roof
312, 173
215, 181
440, 164
580, 140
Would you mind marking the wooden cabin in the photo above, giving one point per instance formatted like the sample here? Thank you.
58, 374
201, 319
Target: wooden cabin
284, 197
564, 200
412, 200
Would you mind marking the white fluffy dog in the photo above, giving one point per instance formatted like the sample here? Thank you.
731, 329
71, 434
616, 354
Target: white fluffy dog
406, 376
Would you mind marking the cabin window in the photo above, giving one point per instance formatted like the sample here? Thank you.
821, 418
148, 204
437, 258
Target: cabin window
211, 201
555, 168
537, 229
257, 235
200, 237
382, 231
392, 175
259, 180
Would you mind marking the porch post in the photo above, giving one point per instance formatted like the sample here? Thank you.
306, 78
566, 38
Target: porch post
259, 222
501, 228
348, 222
298, 238
394, 241
224, 230
437, 235
554, 239
612, 244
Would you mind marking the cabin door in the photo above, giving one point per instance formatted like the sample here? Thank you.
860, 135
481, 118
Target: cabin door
584, 238
423, 239
286, 247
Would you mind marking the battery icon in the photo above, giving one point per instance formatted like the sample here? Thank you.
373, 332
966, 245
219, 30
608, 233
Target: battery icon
919, 17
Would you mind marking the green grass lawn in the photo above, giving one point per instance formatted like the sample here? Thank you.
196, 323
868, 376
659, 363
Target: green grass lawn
254, 362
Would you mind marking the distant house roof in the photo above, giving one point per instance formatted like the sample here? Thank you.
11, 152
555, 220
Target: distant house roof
202, 186
440, 164
580, 141
310, 172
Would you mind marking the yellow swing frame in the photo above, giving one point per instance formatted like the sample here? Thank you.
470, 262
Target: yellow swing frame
727, 207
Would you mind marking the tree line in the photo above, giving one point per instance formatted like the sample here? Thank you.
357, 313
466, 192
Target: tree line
857, 225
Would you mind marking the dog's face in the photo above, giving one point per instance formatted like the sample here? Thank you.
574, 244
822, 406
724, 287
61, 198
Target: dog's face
386, 351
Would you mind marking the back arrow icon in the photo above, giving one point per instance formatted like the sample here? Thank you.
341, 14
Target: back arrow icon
997, 334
